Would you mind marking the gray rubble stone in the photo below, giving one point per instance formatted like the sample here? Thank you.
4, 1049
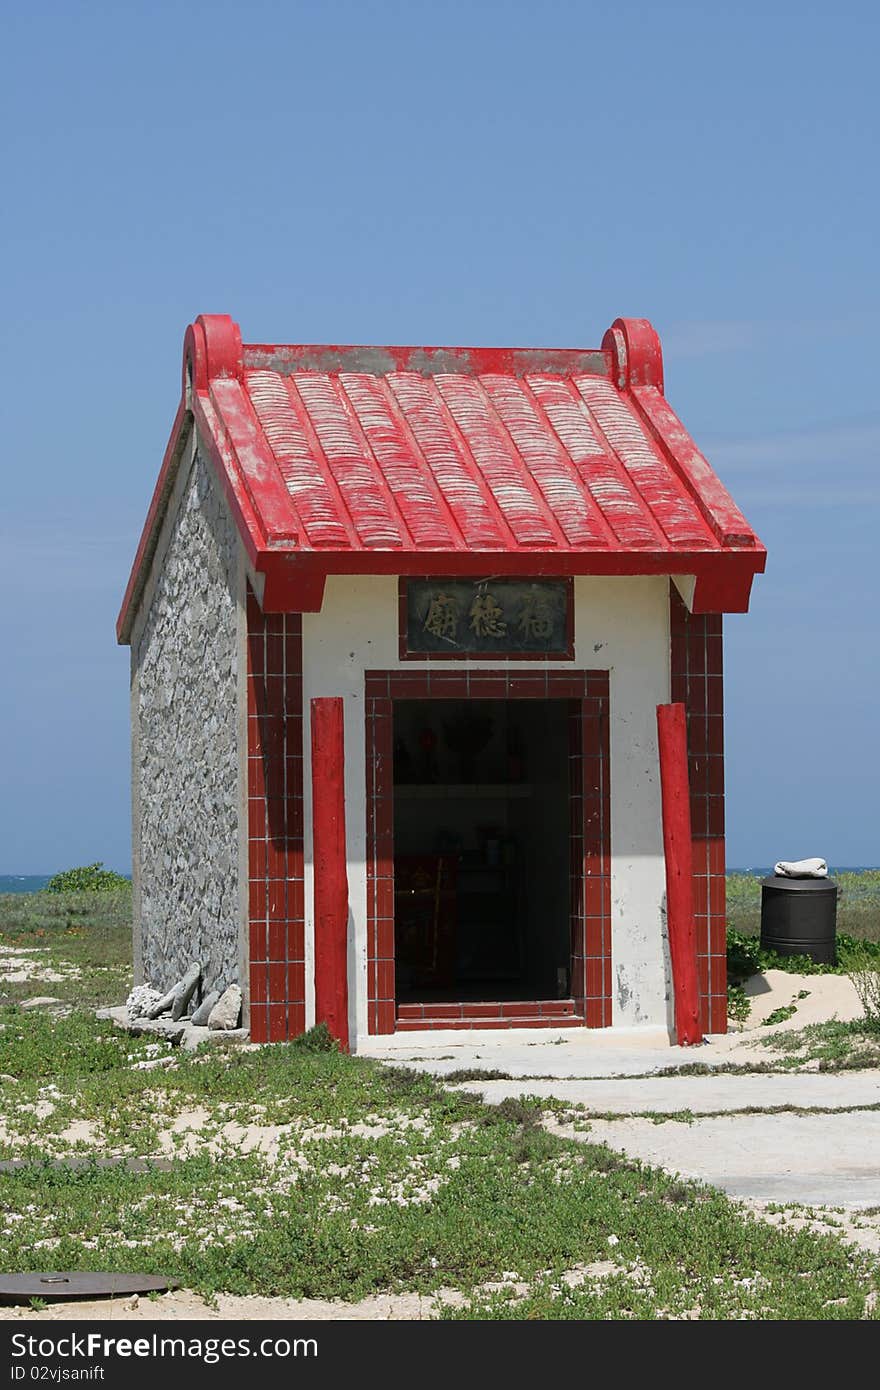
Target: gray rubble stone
227, 1035
40, 1001
158, 1028
226, 1012
181, 1034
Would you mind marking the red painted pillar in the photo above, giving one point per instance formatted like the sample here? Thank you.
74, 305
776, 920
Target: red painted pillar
330, 867
675, 793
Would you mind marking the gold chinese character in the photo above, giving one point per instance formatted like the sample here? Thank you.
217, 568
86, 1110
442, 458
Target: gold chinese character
442, 616
535, 619
485, 617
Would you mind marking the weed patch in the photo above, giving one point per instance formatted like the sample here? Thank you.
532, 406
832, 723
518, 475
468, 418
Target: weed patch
836, 1045
863, 968
82, 937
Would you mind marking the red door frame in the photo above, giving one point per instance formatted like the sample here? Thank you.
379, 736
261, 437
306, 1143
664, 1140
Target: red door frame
590, 914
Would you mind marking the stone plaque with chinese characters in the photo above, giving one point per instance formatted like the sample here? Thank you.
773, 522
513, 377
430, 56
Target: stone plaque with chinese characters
509, 617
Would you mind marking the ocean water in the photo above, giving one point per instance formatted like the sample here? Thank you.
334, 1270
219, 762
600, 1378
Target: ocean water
23, 883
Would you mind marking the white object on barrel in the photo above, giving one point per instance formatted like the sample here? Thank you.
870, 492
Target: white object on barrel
801, 868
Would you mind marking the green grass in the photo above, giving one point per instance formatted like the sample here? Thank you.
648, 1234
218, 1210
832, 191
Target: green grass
382, 1179
84, 936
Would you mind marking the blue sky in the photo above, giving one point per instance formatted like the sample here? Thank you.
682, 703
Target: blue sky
485, 173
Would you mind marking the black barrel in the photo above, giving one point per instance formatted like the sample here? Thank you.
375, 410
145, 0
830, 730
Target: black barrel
799, 917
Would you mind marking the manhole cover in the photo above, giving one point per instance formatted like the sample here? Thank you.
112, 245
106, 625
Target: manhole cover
19, 1288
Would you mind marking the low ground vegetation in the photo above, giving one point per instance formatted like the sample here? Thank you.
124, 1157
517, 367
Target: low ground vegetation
361, 1178
832, 1046
73, 945
297, 1170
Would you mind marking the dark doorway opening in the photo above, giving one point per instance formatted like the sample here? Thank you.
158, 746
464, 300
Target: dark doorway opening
482, 827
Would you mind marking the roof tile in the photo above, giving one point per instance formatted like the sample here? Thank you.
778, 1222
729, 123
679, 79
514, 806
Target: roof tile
369, 458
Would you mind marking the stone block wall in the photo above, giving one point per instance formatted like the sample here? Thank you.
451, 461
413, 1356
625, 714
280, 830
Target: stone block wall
186, 763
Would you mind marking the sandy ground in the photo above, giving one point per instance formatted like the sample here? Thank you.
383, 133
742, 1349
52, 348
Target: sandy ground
827, 997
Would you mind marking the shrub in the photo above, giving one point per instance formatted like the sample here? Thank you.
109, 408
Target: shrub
867, 950
315, 1039
90, 878
743, 955
863, 969
746, 956
739, 1005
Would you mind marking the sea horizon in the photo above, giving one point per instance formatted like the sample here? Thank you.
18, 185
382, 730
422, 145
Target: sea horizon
35, 883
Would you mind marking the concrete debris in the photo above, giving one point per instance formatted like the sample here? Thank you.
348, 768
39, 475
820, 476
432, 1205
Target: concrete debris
40, 1001
177, 998
182, 1034
152, 1063
162, 1004
199, 1017
226, 1012
157, 1028
185, 991
141, 1000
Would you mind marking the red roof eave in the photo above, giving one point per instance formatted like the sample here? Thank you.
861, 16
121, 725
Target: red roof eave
295, 582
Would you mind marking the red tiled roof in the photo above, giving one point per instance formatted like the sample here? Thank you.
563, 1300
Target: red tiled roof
455, 460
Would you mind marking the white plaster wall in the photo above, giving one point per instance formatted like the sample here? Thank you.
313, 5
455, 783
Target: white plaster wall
621, 625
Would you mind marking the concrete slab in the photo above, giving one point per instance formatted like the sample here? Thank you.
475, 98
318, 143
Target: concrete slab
816, 1160
573, 1052
701, 1095
581, 1056
828, 1157
597, 1052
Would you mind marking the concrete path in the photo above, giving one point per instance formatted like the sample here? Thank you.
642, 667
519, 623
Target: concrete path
817, 1160
639, 1051
562, 1052
701, 1095
749, 1135
761, 1146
